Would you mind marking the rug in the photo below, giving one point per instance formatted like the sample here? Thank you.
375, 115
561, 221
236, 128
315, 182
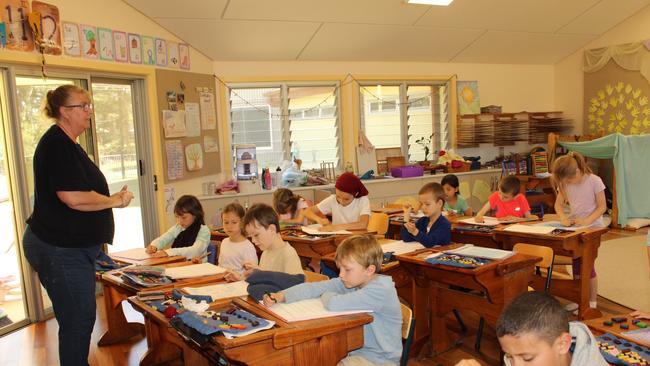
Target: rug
623, 273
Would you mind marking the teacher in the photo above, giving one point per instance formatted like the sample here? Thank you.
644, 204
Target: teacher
72, 218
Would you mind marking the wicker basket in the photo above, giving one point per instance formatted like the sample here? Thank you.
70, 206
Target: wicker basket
464, 168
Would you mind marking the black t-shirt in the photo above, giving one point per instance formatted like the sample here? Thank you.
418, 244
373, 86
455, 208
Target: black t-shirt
60, 164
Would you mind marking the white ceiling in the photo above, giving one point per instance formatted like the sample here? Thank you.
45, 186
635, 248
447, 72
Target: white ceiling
486, 31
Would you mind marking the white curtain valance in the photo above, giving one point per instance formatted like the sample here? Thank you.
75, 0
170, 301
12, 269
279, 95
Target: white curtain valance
630, 56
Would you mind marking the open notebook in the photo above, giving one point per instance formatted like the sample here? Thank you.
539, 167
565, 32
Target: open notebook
400, 247
306, 310
136, 254
529, 229
220, 291
487, 221
481, 252
558, 225
313, 230
194, 270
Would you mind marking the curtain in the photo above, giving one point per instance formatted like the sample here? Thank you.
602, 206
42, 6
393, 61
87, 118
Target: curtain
630, 56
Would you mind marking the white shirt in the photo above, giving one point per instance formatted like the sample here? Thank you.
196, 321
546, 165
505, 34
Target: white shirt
233, 255
345, 214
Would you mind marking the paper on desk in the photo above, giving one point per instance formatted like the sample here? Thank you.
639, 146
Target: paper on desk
487, 221
313, 230
481, 252
220, 291
530, 229
137, 254
306, 310
400, 247
194, 270
254, 330
558, 225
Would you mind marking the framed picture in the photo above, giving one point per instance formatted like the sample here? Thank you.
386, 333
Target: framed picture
135, 49
468, 100
18, 35
50, 26
184, 55
106, 48
161, 52
172, 55
121, 49
71, 40
89, 42
148, 51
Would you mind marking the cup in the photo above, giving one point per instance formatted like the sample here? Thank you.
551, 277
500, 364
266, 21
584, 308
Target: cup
206, 189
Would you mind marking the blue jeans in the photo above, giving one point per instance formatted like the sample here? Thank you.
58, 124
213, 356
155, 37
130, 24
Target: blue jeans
68, 275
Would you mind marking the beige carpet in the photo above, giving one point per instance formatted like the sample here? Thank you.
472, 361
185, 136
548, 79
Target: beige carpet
623, 273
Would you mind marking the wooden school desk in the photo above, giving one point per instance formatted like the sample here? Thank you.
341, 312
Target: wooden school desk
312, 342
581, 245
458, 235
597, 327
116, 290
493, 286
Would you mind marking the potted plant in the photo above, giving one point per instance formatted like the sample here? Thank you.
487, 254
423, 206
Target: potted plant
425, 142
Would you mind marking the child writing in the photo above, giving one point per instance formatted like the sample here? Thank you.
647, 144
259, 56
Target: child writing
235, 250
534, 329
359, 287
290, 207
455, 204
189, 237
262, 225
432, 229
507, 201
584, 191
349, 207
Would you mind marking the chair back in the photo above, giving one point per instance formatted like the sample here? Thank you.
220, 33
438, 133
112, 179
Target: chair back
410, 200
378, 223
544, 252
408, 327
212, 253
315, 277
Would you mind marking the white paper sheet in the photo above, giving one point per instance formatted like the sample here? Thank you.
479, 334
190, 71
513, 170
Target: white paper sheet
400, 247
307, 309
488, 221
220, 291
530, 229
313, 230
208, 111
194, 270
192, 119
175, 159
137, 254
558, 225
174, 123
475, 251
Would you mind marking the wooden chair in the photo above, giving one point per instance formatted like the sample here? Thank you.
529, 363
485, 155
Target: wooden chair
410, 200
315, 277
408, 327
213, 254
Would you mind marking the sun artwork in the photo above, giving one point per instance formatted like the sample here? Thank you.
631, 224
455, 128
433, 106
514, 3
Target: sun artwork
468, 94
619, 108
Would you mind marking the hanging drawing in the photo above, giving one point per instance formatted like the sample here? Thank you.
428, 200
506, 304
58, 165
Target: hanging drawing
468, 100
121, 49
89, 42
106, 48
148, 51
135, 49
71, 40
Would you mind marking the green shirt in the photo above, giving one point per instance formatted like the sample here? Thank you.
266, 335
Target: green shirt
460, 206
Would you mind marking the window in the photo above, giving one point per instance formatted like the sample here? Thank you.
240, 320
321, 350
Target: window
287, 120
398, 114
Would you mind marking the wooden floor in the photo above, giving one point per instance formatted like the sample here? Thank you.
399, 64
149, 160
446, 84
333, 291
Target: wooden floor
37, 344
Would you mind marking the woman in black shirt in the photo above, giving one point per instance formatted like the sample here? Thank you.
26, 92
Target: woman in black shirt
72, 218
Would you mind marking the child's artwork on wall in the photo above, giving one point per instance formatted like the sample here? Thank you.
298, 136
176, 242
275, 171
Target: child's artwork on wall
194, 157
121, 49
175, 161
184, 55
89, 41
161, 52
71, 41
14, 14
148, 51
174, 123
50, 27
210, 144
135, 49
3, 35
172, 55
468, 101
106, 49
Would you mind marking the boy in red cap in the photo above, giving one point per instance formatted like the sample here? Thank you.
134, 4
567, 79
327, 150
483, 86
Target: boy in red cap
349, 207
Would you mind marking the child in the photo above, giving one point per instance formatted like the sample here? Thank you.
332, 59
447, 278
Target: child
585, 193
350, 207
235, 250
534, 329
432, 229
455, 204
507, 201
189, 237
262, 225
359, 287
290, 207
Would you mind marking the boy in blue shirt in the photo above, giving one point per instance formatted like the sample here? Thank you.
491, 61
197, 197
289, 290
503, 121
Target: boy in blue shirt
359, 287
432, 229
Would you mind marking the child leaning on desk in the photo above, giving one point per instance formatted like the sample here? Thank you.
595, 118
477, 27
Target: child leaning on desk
507, 201
358, 287
432, 229
262, 225
290, 207
189, 237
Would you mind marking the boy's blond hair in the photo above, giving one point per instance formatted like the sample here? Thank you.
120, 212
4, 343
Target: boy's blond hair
364, 249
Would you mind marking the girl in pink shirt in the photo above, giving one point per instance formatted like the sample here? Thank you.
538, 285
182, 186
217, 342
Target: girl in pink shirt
290, 207
584, 192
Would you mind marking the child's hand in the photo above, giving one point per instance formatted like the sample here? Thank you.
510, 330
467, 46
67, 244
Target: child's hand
231, 276
479, 219
410, 227
567, 222
640, 314
197, 260
509, 218
151, 249
274, 298
327, 228
581, 221
248, 269
159, 254
323, 221
468, 363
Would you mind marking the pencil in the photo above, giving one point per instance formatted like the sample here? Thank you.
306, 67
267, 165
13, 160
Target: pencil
203, 256
271, 297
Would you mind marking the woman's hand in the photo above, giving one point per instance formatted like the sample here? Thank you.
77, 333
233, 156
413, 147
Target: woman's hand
151, 249
122, 198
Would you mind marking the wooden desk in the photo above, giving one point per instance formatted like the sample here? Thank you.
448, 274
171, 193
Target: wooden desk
483, 239
493, 286
116, 290
581, 245
597, 327
531, 182
314, 342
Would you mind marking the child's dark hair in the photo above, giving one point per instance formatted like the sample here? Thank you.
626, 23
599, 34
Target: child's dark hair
191, 205
535, 313
236, 209
435, 189
509, 184
263, 215
451, 180
284, 201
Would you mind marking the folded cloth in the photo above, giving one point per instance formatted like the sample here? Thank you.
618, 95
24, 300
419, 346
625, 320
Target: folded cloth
261, 282
105, 263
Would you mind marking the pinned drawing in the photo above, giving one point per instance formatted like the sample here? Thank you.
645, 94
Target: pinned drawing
468, 100
194, 157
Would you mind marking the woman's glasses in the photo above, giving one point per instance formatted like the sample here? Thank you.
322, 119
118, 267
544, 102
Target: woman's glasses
85, 106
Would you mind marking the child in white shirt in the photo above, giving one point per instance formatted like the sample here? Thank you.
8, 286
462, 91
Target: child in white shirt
236, 249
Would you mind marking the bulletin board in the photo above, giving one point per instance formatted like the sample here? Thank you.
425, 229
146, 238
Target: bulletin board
188, 124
